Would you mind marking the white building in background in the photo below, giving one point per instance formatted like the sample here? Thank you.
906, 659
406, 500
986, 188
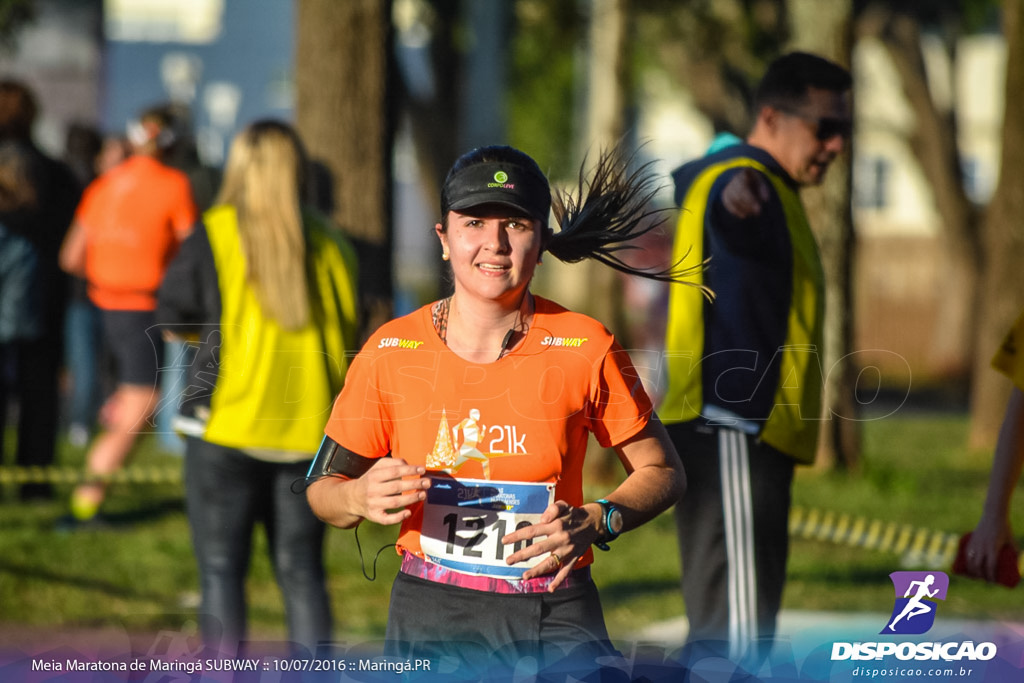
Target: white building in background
899, 263
981, 81
891, 195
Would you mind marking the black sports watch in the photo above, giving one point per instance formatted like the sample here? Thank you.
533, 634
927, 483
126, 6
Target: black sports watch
611, 524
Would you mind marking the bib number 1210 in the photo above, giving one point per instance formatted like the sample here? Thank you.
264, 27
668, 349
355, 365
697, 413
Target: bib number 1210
464, 521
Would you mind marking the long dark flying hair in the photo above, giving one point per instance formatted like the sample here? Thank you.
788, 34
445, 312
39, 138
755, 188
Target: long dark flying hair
609, 207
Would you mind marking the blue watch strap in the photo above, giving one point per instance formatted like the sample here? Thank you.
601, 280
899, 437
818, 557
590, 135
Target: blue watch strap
608, 534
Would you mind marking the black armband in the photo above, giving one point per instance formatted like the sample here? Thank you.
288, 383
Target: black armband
333, 459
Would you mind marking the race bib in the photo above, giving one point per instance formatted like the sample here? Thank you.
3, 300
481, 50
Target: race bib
464, 521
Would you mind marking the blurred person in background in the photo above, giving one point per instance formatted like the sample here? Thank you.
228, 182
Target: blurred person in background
205, 182
128, 226
743, 400
82, 146
21, 319
265, 290
88, 154
991, 553
113, 150
42, 221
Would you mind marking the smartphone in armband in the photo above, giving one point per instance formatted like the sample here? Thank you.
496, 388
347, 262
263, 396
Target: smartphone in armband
334, 460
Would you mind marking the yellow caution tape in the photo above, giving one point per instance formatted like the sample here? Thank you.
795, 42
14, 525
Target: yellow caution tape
935, 548
922, 546
73, 475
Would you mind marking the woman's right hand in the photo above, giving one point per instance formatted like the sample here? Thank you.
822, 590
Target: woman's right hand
383, 494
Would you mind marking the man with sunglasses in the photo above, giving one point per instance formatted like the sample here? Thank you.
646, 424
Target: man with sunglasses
743, 399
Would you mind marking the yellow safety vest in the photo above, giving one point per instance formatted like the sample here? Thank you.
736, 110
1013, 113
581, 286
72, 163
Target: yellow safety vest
793, 425
275, 387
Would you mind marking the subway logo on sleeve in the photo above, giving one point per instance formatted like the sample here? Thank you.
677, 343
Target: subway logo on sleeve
564, 341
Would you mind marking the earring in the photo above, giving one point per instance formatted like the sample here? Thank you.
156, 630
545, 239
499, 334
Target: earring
444, 256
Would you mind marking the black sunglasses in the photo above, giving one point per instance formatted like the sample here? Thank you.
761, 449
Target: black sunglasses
825, 128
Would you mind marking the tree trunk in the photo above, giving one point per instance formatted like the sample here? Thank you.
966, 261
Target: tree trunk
1003, 278
433, 114
607, 79
934, 144
605, 107
607, 86
591, 287
342, 74
825, 28
716, 51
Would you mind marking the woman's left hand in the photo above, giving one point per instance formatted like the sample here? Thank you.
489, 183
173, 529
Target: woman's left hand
568, 531
983, 549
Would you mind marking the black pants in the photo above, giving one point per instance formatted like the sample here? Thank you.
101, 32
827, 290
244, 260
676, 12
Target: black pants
560, 631
34, 380
226, 494
733, 536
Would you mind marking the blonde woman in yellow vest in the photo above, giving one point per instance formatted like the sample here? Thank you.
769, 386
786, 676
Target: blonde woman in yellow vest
265, 292
744, 379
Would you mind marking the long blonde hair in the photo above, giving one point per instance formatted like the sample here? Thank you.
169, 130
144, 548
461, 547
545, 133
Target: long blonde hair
264, 179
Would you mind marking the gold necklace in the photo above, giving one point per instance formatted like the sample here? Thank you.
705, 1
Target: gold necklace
442, 309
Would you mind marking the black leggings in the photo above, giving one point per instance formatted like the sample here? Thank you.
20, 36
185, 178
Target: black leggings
226, 494
563, 630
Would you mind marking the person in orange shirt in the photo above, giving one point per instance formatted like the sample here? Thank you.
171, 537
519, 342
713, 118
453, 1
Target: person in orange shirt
496, 548
127, 229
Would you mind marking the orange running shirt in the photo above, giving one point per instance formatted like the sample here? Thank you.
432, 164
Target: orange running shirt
524, 418
135, 215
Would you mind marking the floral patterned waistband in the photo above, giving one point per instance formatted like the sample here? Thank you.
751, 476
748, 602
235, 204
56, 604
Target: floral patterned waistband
420, 568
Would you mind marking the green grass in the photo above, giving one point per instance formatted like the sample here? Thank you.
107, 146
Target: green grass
916, 471
139, 575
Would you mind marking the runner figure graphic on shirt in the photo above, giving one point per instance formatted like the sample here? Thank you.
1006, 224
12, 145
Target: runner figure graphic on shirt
472, 431
915, 605
458, 445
